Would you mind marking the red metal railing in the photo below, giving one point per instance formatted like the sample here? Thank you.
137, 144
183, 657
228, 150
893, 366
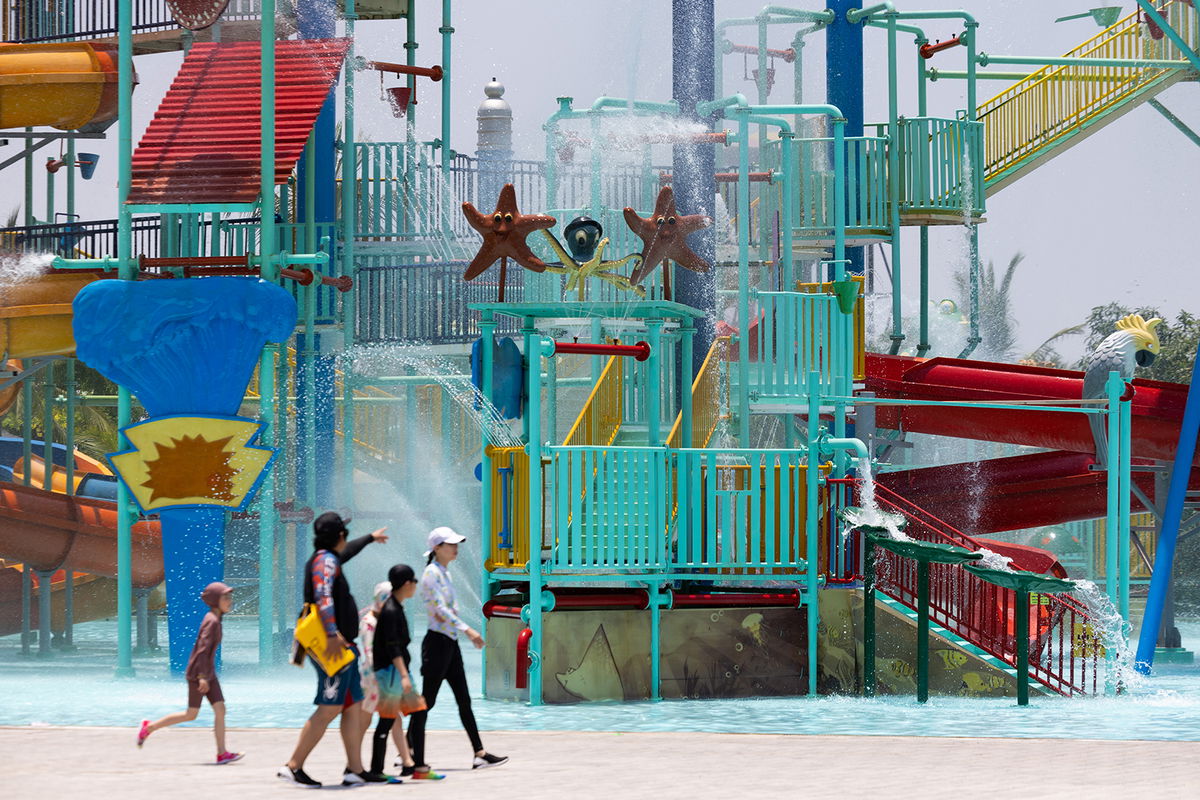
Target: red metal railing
1065, 646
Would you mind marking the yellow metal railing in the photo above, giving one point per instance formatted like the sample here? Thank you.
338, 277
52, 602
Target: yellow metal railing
510, 517
1056, 101
709, 396
860, 323
601, 415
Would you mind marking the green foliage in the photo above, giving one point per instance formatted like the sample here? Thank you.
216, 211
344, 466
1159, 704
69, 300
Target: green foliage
997, 325
95, 426
1179, 339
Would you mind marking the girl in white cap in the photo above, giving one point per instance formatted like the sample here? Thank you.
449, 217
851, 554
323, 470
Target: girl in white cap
441, 660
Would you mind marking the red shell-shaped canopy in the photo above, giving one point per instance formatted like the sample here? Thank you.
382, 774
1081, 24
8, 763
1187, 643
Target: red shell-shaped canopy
196, 15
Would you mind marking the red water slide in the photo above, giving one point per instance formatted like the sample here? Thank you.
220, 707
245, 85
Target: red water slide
1023, 491
1157, 408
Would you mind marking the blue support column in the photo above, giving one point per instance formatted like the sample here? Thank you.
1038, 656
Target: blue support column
844, 82
692, 26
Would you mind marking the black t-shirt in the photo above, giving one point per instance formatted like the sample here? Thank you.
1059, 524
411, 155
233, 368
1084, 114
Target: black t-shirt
391, 635
345, 611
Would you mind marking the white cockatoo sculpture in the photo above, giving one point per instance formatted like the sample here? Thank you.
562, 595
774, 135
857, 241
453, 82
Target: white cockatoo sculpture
1134, 344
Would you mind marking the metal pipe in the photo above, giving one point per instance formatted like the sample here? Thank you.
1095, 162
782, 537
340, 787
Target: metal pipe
812, 474
653, 383
447, 31
349, 222
788, 55
126, 268
535, 348
928, 50
936, 74
434, 73
894, 177
669, 107
640, 351
985, 59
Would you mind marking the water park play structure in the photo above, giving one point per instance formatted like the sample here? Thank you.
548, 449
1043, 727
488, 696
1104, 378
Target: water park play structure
675, 466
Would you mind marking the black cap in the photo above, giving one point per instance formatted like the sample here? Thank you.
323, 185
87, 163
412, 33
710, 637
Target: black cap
328, 524
401, 574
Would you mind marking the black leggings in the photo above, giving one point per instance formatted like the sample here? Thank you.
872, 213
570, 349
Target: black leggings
379, 743
441, 660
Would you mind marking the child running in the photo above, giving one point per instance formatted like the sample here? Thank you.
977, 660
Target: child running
201, 674
441, 660
391, 660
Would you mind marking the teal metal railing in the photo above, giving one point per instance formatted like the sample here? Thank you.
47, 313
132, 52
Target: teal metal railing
941, 163
797, 333
402, 192
739, 510
608, 508
866, 185
678, 512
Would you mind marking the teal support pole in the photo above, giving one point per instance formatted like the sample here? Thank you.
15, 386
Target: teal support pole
655, 641
743, 244
1124, 533
349, 214
654, 383
48, 427
973, 339
28, 206
50, 194
922, 631
126, 270
26, 610
534, 349
69, 593
447, 31
410, 58
487, 329
688, 330
1179, 124
266, 368
1022, 633
1112, 568
868, 616
552, 400
812, 474
923, 343
894, 177
71, 179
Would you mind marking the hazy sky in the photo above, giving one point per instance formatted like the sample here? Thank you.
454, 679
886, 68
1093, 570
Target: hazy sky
1113, 218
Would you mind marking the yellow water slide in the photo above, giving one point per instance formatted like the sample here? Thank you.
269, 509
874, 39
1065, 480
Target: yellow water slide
66, 85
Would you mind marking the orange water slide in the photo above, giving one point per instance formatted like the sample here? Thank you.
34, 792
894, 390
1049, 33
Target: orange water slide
67, 85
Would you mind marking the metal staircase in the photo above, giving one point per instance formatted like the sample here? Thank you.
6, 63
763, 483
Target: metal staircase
1056, 107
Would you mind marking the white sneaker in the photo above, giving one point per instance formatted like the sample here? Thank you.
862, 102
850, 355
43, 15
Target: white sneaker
353, 779
488, 760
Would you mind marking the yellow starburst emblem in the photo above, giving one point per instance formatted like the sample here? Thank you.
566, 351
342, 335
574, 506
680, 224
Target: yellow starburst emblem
190, 461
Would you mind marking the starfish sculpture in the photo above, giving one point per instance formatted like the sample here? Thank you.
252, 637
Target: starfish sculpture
664, 236
595, 267
504, 234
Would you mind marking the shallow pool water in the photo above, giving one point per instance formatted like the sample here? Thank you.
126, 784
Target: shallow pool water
79, 689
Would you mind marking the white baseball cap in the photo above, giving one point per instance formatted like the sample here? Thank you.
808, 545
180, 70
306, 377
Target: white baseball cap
443, 535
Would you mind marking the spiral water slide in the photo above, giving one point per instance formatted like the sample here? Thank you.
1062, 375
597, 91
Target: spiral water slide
1023, 491
49, 529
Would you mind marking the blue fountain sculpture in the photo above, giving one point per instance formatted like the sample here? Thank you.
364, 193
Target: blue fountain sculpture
187, 349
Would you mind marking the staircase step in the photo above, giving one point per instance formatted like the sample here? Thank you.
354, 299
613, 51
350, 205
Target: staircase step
950, 636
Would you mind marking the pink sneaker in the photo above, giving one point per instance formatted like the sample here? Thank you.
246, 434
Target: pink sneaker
228, 758
143, 732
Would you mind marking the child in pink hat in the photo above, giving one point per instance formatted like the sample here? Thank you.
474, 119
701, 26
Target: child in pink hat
201, 674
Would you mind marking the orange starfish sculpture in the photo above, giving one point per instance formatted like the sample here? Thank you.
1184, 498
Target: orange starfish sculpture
664, 236
504, 234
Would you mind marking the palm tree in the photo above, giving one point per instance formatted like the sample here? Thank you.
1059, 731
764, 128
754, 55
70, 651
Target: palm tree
996, 322
95, 426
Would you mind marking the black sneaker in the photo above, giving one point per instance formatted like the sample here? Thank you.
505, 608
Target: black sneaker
354, 778
297, 776
406, 771
488, 760
375, 777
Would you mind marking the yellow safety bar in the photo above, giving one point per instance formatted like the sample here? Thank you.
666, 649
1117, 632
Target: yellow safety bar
860, 323
707, 398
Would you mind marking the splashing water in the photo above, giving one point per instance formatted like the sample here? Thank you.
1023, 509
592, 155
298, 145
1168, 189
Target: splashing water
18, 268
379, 360
1113, 630
869, 514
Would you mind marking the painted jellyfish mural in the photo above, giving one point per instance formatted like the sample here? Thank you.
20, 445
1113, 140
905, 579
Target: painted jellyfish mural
187, 349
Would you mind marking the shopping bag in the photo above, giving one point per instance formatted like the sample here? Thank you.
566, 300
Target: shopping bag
310, 633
